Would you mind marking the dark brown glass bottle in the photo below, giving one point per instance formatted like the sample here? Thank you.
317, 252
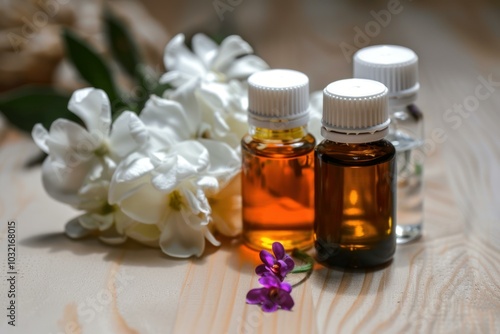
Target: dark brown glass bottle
355, 177
355, 184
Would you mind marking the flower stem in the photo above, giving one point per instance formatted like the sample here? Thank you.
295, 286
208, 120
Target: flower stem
305, 268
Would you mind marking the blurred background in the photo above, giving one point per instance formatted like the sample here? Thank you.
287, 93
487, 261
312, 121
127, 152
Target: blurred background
316, 37
304, 35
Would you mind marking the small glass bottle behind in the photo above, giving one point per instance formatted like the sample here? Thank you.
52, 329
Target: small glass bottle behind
397, 68
277, 158
355, 171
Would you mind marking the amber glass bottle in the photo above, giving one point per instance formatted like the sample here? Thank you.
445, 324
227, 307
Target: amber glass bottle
355, 177
277, 158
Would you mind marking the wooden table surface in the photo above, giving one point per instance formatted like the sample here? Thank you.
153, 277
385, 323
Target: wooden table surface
447, 282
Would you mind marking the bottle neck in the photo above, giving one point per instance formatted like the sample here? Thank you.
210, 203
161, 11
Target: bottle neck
292, 134
401, 102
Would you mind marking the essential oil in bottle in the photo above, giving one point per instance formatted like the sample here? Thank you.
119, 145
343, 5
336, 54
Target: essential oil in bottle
355, 170
278, 162
397, 68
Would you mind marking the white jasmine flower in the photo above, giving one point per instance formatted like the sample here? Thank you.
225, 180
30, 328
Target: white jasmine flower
108, 222
209, 80
226, 209
221, 109
77, 153
169, 189
209, 61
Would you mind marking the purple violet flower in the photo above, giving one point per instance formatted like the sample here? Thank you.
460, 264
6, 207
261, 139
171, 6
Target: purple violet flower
278, 265
275, 294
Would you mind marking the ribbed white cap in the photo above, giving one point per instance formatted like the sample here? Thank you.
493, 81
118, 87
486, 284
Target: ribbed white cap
355, 111
278, 99
393, 65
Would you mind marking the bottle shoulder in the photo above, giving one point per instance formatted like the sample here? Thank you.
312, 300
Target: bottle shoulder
406, 129
275, 148
410, 113
355, 154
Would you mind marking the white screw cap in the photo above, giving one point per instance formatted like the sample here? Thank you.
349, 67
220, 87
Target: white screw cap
393, 65
278, 99
355, 111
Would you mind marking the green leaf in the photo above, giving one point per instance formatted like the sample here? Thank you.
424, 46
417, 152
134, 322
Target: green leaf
304, 257
91, 67
26, 106
161, 88
122, 45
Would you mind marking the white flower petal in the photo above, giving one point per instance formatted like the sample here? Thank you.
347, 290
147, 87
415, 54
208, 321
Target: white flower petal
70, 144
196, 201
146, 234
209, 236
138, 130
209, 184
222, 107
103, 170
221, 128
130, 175
104, 221
166, 180
238, 123
213, 107
175, 78
205, 48
40, 136
195, 221
178, 57
185, 169
75, 230
166, 120
145, 204
112, 237
163, 160
62, 182
187, 97
245, 66
225, 163
226, 209
179, 239
122, 221
214, 94
193, 157
93, 107
132, 168
226, 216
127, 134
231, 48
88, 221
93, 195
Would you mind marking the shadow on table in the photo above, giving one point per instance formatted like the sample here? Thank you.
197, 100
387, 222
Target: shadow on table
335, 280
240, 258
129, 253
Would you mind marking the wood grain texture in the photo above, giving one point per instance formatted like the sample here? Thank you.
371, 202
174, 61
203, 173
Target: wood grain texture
447, 282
